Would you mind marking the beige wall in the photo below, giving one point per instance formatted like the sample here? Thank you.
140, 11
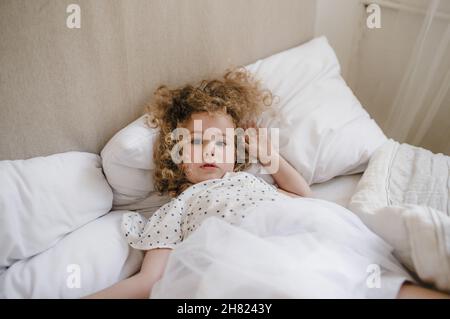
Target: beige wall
337, 20
71, 89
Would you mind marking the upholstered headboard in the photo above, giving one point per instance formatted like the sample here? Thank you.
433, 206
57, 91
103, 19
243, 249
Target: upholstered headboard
64, 89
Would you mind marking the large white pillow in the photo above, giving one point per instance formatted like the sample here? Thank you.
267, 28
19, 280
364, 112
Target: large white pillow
85, 261
324, 130
44, 198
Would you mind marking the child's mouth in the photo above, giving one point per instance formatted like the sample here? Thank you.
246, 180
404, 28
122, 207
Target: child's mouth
208, 166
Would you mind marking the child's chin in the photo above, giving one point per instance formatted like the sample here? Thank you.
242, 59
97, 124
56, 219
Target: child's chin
210, 174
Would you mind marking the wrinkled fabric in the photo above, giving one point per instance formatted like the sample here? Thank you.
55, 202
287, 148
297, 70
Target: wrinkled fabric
296, 248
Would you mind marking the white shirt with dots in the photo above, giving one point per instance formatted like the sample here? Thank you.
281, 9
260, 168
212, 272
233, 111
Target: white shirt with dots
230, 197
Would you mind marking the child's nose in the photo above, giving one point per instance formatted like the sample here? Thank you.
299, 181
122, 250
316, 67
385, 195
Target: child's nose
209, 148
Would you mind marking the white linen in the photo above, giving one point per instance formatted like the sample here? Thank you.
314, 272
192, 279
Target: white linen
338, 190
404, 197
44, 198
97, 252
127, 160
294, 248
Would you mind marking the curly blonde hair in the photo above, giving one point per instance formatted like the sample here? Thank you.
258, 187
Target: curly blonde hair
237, 94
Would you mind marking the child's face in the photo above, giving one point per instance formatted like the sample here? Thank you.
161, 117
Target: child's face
212, 162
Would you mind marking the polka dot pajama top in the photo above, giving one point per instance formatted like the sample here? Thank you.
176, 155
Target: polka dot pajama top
230, 198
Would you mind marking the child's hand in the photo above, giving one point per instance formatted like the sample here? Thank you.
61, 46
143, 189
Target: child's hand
258, 143
284, 174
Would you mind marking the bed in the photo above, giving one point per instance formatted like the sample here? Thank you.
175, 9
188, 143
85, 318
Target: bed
83, 262
338, 190
76, 155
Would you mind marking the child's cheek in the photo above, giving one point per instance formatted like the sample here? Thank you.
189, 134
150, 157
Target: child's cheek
225, 155
191, 154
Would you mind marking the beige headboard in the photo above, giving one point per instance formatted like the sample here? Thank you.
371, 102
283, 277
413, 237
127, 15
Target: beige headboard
65, 89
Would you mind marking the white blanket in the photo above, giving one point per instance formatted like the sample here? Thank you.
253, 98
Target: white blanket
403, 197
294, 248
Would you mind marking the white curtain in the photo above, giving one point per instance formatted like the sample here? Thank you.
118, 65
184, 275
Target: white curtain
401, 72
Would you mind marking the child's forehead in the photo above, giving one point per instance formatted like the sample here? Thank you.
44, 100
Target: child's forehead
199, 122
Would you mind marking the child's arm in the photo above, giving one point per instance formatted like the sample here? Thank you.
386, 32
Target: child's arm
411, 291
288, 178
288, 193
139, 285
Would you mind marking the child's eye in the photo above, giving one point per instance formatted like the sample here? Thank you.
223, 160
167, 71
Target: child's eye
196, 141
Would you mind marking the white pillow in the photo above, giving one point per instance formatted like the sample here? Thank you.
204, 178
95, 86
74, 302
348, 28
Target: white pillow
324, 130
44, 198
128, 162
87, 260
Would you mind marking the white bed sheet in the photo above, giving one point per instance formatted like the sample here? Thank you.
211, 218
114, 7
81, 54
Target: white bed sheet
338, 190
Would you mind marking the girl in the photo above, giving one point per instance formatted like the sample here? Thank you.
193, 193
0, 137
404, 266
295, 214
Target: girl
210, 187
235, 101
